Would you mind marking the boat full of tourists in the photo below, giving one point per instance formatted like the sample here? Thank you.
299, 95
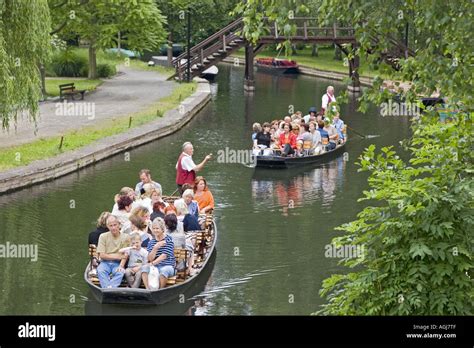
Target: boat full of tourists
277, 66
276, 161
204, 250
150, 249
298, 140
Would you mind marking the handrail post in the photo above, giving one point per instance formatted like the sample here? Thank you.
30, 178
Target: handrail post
188, 67
305, 30
202, 56
276, 30
334, 30
223, 42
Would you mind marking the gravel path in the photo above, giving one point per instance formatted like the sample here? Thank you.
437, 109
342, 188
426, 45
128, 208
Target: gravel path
130, 91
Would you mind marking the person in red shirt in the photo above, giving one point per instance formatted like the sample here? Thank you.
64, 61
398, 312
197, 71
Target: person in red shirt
186, 168
287, 141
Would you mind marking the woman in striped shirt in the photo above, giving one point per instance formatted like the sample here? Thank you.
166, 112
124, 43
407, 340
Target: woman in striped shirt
160, 253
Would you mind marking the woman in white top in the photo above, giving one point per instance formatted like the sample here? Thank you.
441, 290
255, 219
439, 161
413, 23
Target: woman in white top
315, 138
145, 198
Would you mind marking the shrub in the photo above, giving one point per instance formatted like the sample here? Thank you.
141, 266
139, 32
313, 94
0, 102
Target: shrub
68, 63
106, 70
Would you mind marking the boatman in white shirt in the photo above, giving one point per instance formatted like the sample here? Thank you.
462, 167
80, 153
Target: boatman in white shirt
328, 98
186, 168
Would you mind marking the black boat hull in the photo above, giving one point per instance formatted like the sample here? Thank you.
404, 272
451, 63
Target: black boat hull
279, 162
277, 70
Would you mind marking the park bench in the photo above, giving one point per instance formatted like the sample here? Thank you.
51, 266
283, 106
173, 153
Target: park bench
68, 89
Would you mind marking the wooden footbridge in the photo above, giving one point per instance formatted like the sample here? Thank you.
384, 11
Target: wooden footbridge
227, 40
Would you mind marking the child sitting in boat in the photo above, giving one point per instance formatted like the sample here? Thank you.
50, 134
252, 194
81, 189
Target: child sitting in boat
137, 257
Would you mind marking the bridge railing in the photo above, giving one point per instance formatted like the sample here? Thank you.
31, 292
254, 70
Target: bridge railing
307, 28
208, 46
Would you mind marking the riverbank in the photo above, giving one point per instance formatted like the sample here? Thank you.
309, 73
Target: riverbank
67, 162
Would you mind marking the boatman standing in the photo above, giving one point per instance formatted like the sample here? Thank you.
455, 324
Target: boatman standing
186, 168
328, 98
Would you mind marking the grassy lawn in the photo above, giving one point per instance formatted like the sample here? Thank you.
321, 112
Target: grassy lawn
114, 59
138, 64
324, 61
52, 84
48, 147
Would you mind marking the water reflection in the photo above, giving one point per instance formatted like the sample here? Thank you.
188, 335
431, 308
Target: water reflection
273, 190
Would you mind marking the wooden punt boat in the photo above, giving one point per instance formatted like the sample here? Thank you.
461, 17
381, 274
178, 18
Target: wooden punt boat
280, 162
178, 306
205, 248
277, 66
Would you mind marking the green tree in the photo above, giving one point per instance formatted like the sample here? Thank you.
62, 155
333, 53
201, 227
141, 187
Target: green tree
418, 236
418, 229
24, 46
105, 24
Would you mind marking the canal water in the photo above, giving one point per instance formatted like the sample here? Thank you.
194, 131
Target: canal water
273, 225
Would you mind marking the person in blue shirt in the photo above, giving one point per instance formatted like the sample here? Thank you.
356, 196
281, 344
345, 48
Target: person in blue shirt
160, 254
339, 125
324, 135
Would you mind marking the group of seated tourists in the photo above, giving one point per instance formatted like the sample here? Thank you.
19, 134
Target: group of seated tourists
142, 231
276, 62
299, 135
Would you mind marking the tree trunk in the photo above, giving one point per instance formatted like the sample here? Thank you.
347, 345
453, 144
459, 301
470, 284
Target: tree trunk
43, 80
169, 49
293, 50
119, 44
337, 53
314, 52
92, 61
